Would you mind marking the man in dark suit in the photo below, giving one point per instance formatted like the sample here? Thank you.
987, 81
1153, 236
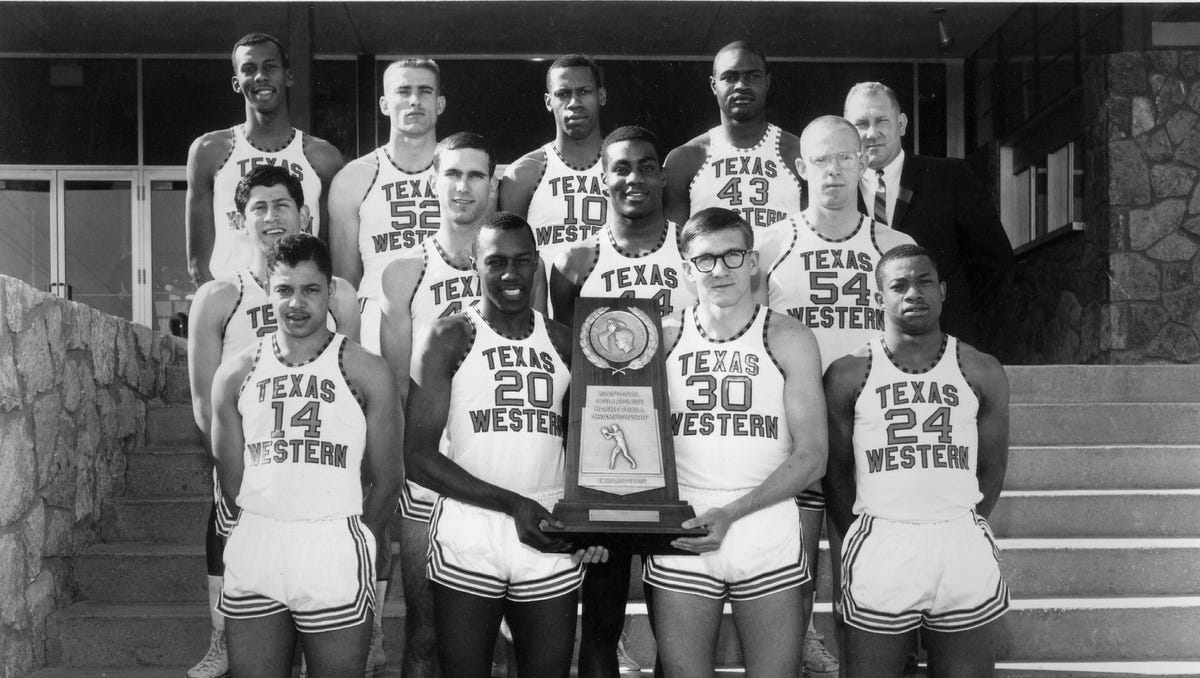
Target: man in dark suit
937, 201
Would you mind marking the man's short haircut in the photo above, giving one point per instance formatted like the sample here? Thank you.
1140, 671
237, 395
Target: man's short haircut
746, 46
713, 220
290, 250
460, 140
830, 121
502, 221
267, 175
627, 133
250, 39
873, 88
907, 251
417, 62
577, 61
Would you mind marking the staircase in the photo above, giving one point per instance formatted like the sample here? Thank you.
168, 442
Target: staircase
1099, 523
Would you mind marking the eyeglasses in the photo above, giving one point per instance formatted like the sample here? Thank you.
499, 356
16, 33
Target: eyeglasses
705, 263
843, 160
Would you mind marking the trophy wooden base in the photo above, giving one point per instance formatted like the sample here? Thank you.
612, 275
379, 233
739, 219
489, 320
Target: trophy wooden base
637, 528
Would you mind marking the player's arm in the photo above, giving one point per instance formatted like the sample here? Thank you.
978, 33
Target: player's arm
680, 166
384, 461
843, 380
519, 182
789, 152
228, 443
437, 352
202, 164
346, 193
987, 376
887, 238
398, 284
326, 160
540, 291
344, 307
769, 243
567, 276
795, 347
211, 307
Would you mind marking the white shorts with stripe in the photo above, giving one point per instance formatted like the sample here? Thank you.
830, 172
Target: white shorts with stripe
370, 316
942, 576
761, 554
416, 502
226, 516
322, 571
476, 551
812, 499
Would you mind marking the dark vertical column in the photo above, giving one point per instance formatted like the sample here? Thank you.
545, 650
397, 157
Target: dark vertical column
368, 103
300, 55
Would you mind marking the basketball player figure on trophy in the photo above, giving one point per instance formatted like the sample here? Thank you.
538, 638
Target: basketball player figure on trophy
615, 434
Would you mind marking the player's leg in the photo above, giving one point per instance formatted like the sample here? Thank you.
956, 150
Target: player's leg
543, 634
605, 592
770, 630
876, 655
962, 654
420, 637
817, 660
214, 663
377, 656
466, 631
342, 652
686, 627
261, 647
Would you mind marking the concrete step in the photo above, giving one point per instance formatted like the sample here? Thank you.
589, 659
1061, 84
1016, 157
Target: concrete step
1104, 383
172, 425
1097, 513
1104, 424
134, 572
167, 519
180, 470
1081, 467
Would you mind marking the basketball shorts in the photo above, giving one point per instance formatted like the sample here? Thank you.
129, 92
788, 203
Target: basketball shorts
416, 501
761, 554
322, 571
944, 576
370, 316
476, 551
226, 515
812, 499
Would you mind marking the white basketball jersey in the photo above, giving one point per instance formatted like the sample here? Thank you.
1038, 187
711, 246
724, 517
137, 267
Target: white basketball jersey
569, 205
305, 435
231, 247
657, 275
829, 285
754, 181
399, 212
727, 415
916, 440
442, 289
506, 422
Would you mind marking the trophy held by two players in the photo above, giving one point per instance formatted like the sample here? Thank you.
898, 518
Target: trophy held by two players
620, 466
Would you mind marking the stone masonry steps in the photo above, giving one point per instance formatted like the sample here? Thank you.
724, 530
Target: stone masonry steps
1103, 467
176, 471
1103, 383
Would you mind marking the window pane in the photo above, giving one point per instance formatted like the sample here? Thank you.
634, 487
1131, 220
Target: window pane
68, 111
97, 225
170, 282
1058, 187
25, 235
183, 99
1077, 176
1019, 234
1040, 198
335, 94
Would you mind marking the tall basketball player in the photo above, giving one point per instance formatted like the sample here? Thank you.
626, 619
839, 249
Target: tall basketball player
559, 188
227, 316
382, 204
745, 163
216, 245
747, 411
918, 445
299, 421
493, 379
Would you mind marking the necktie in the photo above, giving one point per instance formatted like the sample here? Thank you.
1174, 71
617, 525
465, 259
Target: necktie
881, 200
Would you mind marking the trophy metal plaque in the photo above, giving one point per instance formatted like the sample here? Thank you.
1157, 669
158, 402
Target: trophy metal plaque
620, 466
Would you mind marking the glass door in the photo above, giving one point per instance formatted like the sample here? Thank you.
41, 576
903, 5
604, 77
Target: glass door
28, 236
171, 289
97, 211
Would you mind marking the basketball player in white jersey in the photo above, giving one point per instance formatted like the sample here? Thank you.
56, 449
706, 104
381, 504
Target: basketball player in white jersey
299, 420
216, 245
747, 412
230, 314
635, 255
745, 163
559, 188
383, 205
494, 378
918, 445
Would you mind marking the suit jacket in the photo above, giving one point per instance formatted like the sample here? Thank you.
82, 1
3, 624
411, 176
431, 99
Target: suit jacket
945, 208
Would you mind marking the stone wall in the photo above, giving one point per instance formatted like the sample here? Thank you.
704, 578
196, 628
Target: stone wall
74, 388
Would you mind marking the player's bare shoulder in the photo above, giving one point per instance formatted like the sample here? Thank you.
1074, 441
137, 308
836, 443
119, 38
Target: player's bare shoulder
527, 169
887, 238
577, 261
364, 367
983, 372
789, 338
562, 338
688, 158
209, 150
400, 278
324, 156
846, 375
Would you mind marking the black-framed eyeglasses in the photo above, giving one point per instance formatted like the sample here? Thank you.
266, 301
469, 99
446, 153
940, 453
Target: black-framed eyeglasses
843, 160
705, 263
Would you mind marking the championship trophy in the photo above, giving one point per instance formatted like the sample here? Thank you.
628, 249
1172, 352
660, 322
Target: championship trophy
620, 465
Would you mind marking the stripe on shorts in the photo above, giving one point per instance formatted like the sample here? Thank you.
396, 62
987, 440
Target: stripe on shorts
457, 578
780, 579
248, 606
869, 620
355, 612
965, 620
226, 516
553, 586
811, 500
413, 508
681, 581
